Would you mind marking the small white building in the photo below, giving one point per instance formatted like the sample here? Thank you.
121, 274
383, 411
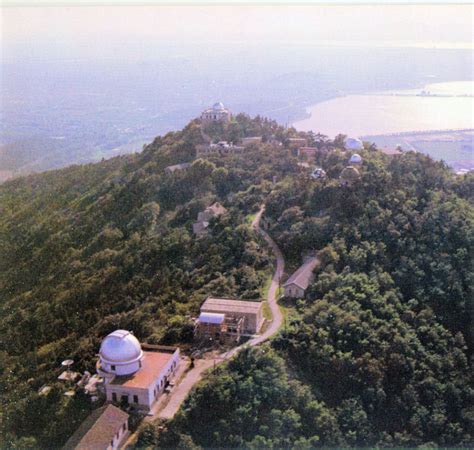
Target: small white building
218, 113
297, 284
133, 376
105, 429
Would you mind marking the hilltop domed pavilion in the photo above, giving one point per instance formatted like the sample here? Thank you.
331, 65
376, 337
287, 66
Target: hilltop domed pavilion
355, 159
349, 176
354, 144
217, 113
132, 375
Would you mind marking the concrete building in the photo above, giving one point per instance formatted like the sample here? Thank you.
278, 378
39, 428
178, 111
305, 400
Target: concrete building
105, 429
218, 113
308, 152
222, 148
297, 284
297, 142
133, 376
177, 167
250, 311
251, 140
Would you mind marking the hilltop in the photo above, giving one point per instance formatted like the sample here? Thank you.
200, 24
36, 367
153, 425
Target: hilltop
376, 353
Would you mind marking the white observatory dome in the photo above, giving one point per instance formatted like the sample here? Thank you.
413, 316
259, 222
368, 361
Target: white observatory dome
120, 353
354, 144
355, 159
317, 173
219, 106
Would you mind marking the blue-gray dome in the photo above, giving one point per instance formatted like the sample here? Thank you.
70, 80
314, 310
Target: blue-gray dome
219, 106
120, 347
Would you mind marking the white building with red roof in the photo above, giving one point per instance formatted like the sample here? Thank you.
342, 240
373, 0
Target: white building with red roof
133, 375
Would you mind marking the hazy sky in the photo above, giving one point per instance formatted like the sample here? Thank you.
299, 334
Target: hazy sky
440, 25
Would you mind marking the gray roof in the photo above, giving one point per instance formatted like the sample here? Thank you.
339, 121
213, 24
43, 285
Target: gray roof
216, 208
207, 317
96, 432
230, 305
178, 167
302, 277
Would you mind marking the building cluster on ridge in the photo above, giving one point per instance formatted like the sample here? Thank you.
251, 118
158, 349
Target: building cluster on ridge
134, 376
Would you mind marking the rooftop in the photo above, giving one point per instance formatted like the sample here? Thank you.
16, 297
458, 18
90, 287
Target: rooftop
230, 305
98, 429
216, 208
302, 276
206, 317
178, 167
152, 364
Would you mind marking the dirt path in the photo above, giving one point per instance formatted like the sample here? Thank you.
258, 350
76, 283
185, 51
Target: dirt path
181, 391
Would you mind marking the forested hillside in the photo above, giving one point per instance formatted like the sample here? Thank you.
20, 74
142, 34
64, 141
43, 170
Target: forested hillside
376, 353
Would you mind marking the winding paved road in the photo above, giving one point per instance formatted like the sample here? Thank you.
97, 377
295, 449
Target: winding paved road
181, 391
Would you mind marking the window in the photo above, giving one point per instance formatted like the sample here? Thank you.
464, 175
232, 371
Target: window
113, 367
114, 397
135, 399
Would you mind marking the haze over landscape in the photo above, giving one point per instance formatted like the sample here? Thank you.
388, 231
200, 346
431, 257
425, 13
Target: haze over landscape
258, 233
82, 83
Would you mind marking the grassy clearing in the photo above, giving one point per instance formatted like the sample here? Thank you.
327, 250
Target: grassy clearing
266, 286
267, 313
250, 218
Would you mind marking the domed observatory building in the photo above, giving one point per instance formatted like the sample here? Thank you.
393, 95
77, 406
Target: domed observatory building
355, 159
349, 176
354, 144
134, 375
218, 113
318, 173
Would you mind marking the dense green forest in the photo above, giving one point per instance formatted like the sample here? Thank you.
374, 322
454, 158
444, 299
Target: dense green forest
377, 353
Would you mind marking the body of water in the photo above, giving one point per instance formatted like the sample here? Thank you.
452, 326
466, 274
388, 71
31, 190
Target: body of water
440, 106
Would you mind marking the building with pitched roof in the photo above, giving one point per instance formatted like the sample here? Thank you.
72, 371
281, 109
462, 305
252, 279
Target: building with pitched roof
204, 217
297, 284
134, 375
104, 429
177, 167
